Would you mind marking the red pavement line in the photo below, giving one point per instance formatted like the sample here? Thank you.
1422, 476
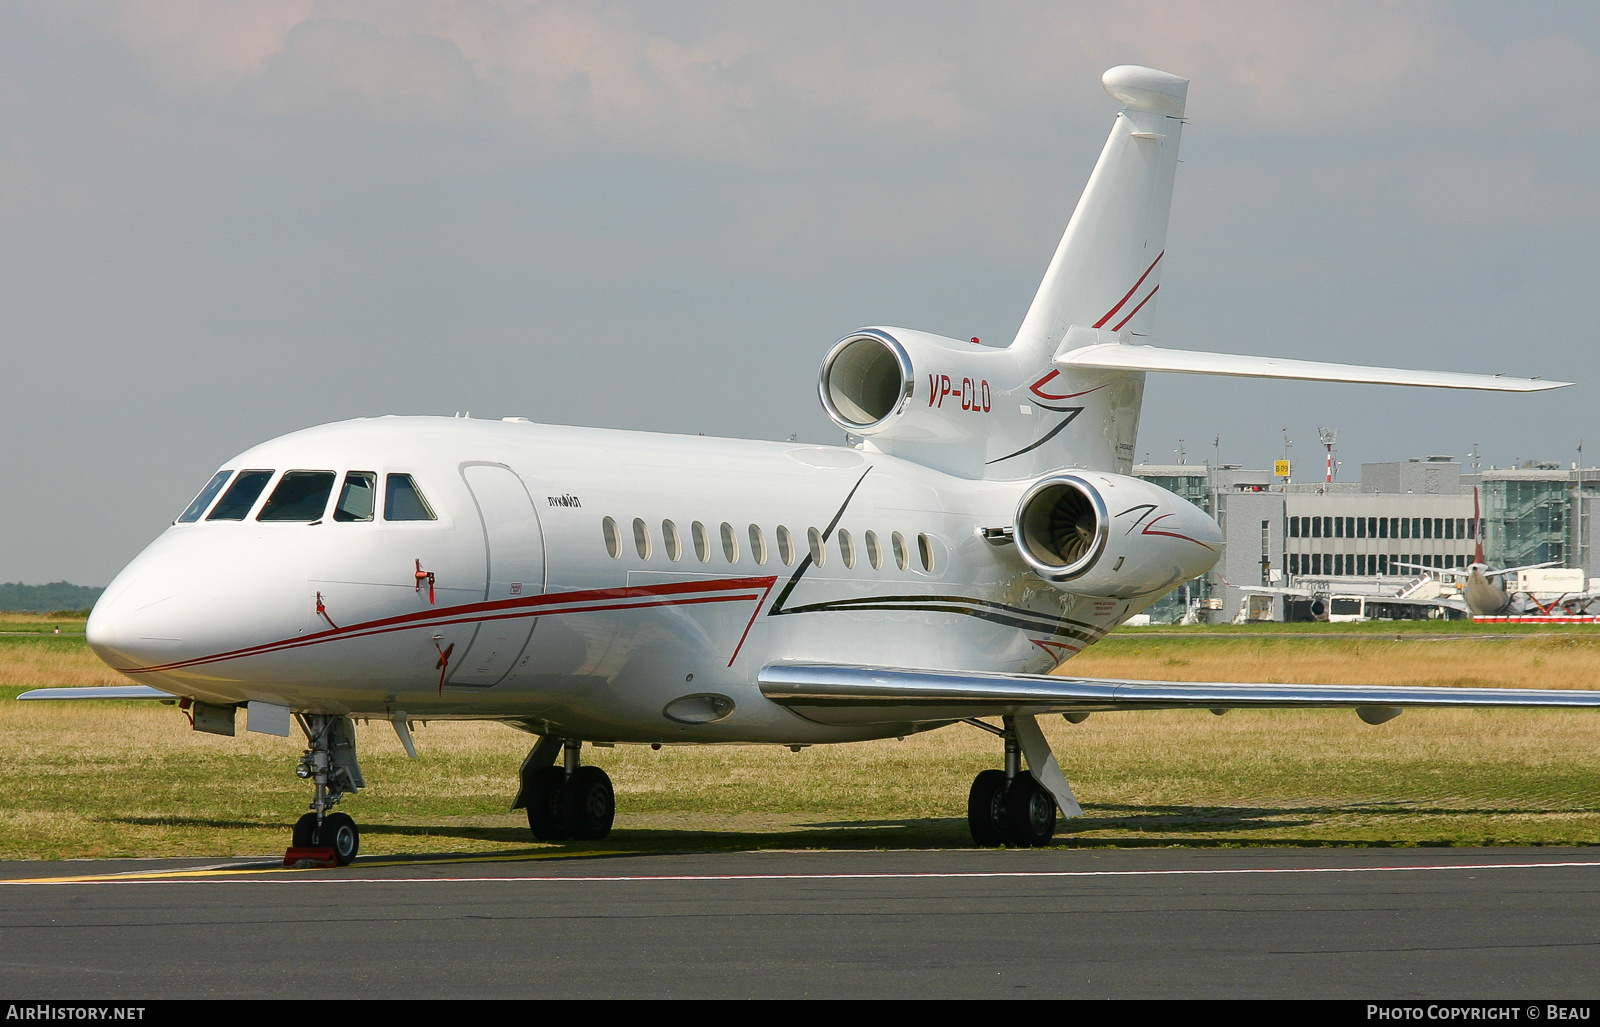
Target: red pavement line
887, 876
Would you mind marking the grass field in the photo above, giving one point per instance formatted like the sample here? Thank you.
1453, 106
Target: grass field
104, 779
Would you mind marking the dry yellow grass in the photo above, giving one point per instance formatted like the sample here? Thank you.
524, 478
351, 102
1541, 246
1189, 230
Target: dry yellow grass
1538, 661
132, 779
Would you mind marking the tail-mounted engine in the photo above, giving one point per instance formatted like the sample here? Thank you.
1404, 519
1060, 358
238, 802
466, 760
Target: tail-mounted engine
977, 411
1112, 536
868, 381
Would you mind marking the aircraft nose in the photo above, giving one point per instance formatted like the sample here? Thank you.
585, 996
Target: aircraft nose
134, 624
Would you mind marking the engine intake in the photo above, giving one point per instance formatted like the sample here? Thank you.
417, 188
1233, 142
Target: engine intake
866, 380
1062, 527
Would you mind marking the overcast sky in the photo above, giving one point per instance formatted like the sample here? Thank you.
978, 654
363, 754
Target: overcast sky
223, 221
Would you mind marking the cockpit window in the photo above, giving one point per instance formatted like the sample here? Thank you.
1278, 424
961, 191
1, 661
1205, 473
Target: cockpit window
300, 496
235, 503
205, 497
358, 500
403, 500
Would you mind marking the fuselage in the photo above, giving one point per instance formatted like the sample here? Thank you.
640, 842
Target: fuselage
592, 583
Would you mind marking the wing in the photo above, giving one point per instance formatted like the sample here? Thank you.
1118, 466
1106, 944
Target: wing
850, 695
99, 692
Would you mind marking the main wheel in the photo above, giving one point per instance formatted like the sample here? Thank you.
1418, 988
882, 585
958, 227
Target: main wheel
544, 805
338, 832
305, 832
986, 807
588, 805
1030, 814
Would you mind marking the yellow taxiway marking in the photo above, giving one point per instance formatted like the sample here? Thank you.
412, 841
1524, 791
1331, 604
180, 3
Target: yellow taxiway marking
135, 876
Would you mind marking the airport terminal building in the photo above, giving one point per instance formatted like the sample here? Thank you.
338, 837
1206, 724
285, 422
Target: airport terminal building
1418, 511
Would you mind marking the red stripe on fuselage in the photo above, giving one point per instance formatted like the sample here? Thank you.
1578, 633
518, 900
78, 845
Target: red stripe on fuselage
670, 594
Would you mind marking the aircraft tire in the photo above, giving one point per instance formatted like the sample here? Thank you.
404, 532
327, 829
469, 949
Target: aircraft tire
1030, 813
544, 805
305, 832
588, 804
340, 834
986, 807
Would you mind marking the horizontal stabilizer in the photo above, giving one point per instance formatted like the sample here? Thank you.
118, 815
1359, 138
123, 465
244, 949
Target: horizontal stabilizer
836, 694
1118, 356
99, 692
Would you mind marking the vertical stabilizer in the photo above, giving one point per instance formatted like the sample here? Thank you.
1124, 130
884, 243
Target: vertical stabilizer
1108, 267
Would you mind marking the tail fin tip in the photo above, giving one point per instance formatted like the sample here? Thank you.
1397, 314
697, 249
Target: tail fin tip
1147, 89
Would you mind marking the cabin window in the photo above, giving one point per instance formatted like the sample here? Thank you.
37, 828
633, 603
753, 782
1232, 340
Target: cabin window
358, 499
702, 544
613, 538
898, 542
847, 548
672, 541
641, 538
730, 543
241, 496
785, 546
203, 500
403, 501
925, 552
758, 544
819, 553
874, 551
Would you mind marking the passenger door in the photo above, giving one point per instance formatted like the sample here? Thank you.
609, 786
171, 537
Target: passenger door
514, 554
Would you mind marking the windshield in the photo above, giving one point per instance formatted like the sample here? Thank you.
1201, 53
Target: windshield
205, 497
241, 496
300, 496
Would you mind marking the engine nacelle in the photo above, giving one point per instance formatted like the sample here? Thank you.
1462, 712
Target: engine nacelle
1110, 536
869, 379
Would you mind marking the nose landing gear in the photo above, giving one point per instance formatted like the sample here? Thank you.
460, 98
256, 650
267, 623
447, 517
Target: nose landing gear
330, 764
568, 801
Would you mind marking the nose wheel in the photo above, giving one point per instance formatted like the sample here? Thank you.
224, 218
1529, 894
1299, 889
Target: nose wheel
568, 801
329, 762
337, 832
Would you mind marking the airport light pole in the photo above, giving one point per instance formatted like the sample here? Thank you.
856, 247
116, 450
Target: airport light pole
1328, 437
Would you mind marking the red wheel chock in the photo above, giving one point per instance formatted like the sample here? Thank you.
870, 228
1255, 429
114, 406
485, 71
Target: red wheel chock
309, 858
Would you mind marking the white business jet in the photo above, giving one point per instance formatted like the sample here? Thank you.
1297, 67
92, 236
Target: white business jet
610, 587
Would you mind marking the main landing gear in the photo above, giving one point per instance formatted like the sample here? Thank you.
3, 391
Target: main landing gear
565, 801
1008, 806
330, 764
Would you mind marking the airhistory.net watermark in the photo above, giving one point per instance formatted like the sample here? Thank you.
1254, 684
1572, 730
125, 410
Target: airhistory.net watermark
54, 1011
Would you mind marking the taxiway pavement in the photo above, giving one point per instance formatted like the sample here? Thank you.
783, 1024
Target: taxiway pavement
1158, 923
